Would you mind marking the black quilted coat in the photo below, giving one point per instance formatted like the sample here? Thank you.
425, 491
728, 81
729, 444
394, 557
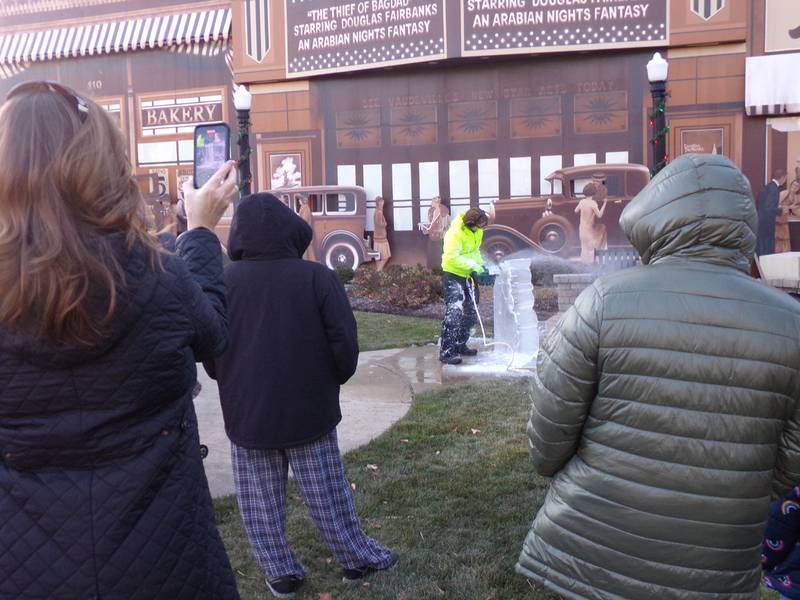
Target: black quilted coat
102, 490
667, 406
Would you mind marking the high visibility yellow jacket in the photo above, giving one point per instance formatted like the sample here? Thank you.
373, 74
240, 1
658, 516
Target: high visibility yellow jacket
462, 249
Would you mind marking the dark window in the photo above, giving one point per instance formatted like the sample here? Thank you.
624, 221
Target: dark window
341, 203
614, 185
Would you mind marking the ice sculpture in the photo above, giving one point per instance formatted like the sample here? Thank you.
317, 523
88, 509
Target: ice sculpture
516, 326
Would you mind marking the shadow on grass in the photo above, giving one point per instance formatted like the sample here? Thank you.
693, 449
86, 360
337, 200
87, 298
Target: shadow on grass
453, 495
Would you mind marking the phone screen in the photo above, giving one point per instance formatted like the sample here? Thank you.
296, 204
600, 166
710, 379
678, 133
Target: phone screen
211, 150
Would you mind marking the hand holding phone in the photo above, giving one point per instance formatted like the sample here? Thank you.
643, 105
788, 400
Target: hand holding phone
212, 148
205, 207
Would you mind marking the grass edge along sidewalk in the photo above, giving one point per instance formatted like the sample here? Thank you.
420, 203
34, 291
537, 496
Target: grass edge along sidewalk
378, 331
450, 487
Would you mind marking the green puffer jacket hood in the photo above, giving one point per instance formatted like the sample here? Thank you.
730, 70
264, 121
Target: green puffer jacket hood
665, 406
699, 207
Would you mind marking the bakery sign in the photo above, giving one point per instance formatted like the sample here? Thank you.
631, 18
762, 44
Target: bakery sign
329, 36
527, 26
187, 114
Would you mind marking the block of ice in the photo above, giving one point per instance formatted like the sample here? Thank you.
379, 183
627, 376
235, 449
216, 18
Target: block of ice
516, 326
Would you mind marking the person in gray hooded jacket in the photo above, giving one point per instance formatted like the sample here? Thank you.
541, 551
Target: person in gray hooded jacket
666, 406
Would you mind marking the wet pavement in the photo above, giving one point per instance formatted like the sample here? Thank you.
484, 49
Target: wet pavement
378, 395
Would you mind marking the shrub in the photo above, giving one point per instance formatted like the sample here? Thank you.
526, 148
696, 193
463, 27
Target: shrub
345, 274
401, 286
543, 268
545, 299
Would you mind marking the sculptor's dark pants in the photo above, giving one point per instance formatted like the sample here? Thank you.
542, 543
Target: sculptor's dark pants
459, 316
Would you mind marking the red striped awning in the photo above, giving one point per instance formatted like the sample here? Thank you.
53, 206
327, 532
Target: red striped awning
116, 36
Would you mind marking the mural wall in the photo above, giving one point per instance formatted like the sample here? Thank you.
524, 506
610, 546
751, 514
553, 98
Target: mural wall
511, 93
476, 102
474, 135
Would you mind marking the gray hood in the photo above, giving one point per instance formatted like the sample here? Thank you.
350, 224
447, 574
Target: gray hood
699, 207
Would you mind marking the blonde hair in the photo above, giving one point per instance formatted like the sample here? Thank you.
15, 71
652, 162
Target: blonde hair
65, 184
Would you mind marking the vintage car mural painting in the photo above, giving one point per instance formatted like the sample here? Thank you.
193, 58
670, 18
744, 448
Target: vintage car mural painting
549, 223
337, 214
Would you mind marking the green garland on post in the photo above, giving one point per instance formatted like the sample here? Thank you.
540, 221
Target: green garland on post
659, 136
245, 155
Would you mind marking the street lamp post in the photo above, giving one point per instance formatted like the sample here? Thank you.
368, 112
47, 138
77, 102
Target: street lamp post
242, 100
657, 70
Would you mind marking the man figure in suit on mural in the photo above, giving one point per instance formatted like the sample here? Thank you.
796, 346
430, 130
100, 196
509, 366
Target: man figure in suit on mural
768, 211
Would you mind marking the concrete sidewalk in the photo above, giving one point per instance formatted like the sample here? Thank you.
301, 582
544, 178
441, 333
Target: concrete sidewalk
378, 395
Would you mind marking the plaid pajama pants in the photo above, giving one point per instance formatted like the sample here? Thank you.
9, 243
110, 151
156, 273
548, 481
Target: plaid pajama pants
260, 477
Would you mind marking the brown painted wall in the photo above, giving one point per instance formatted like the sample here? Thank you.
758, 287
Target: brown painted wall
729, 25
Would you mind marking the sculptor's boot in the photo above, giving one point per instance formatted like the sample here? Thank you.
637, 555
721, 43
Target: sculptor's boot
450, 360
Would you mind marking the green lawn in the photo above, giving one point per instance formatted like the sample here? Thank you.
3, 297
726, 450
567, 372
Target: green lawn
453, 494
377, 331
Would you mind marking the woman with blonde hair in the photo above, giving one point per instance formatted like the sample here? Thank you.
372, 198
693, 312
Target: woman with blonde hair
102, 489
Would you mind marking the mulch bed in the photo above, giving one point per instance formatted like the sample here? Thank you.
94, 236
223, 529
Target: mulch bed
434, 310
431, 311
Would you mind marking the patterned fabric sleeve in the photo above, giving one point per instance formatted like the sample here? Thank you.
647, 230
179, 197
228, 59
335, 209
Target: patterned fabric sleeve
787, 466
780, 558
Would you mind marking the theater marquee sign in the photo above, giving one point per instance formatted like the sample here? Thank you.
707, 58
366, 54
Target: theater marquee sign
525, 26
327, 36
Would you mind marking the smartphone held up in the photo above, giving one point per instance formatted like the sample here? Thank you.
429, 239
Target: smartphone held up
212, 148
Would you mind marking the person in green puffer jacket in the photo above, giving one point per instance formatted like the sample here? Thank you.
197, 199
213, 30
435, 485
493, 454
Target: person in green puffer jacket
666, 406
462, 270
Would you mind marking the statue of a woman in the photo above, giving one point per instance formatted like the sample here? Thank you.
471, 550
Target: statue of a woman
305, 213
437, 225
592, 231
380, 241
